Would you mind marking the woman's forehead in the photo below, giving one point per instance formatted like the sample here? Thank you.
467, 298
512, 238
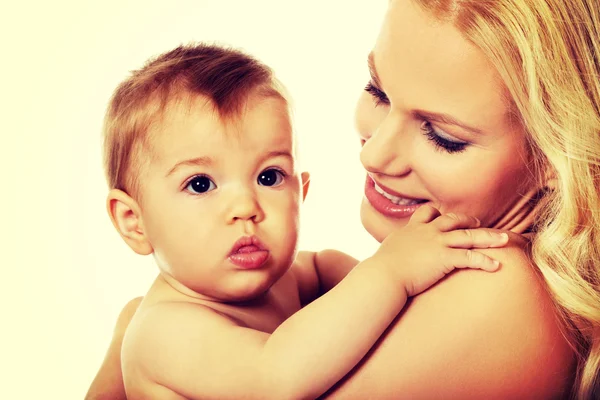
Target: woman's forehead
425, 63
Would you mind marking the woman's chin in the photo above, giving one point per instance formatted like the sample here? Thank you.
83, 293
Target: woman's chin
378, 225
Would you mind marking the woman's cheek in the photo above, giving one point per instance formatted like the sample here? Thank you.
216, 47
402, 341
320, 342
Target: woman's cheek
472, 189
452, 188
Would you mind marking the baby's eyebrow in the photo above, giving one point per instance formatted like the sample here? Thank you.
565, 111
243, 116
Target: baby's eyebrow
277, 154
198, 161
273, 154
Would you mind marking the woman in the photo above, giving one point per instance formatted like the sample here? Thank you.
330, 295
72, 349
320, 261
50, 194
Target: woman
490, 108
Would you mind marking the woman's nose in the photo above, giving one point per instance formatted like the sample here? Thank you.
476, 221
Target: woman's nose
385, 149
244, 206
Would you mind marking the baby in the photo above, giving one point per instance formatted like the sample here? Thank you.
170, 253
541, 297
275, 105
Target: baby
201, 161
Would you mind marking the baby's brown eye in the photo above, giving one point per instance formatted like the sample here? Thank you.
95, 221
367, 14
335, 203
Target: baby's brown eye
200, 184
270, 177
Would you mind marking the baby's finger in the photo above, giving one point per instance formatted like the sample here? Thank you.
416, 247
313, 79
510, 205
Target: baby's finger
425, 214
475, 238
473, 259
451, 221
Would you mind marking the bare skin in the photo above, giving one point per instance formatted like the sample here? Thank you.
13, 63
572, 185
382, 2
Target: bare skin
108, 383
473, 335
478, 328
182, 332
273, 330
180, 346
459, 333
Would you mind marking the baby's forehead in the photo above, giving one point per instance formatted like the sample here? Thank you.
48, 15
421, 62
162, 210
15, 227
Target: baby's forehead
199, 109
196, 123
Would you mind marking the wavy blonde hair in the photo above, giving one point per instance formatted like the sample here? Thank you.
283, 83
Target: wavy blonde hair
547, 53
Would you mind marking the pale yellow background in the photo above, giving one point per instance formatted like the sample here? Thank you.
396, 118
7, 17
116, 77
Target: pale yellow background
65, 271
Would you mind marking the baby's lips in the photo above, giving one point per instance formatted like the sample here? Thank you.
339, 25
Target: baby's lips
247, 244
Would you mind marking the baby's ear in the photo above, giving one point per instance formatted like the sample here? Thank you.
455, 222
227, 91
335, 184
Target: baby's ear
305, 184
125, 214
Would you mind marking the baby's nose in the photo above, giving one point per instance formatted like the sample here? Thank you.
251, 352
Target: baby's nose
245, 206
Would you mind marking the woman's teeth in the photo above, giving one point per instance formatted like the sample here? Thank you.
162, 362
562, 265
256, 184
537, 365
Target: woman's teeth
397, 200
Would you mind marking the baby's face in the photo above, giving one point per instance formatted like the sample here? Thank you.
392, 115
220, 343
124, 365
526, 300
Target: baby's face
220, 200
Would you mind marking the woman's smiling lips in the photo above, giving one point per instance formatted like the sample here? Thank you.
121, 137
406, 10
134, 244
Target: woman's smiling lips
248, 253
388, 202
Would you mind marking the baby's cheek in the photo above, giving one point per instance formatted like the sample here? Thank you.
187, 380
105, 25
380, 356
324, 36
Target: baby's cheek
281, 213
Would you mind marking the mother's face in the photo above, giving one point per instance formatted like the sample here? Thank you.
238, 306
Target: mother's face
436, 127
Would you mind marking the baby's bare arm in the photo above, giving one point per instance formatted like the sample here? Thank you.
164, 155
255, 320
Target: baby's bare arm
317, 273
307, 279
108, 383
206, 355
203, 354
332, 266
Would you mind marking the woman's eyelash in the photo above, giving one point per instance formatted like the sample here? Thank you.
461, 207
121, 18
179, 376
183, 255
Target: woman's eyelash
378, 95
441, 143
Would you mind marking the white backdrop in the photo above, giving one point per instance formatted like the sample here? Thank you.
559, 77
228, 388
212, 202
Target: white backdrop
66, 273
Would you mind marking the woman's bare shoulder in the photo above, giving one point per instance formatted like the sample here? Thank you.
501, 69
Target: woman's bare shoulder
473, 335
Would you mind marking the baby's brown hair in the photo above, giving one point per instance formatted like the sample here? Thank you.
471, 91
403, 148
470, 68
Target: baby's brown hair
224, 76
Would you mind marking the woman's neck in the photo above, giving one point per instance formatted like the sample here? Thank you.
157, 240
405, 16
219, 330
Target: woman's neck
521, 217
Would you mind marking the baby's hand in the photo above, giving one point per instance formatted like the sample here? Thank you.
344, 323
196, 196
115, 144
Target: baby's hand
432, 245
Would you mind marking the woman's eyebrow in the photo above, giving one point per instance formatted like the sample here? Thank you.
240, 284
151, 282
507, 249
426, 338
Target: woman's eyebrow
433, 116
445, 119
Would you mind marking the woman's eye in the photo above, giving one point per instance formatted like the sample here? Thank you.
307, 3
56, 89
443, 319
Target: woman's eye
200, 184
440, 139
271, 177
378, 95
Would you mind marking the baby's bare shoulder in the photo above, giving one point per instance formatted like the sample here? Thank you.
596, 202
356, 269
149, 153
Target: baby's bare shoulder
158, 316
164, 322
168, 326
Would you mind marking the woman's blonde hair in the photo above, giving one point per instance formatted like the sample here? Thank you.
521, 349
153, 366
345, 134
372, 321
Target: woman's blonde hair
547, 53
